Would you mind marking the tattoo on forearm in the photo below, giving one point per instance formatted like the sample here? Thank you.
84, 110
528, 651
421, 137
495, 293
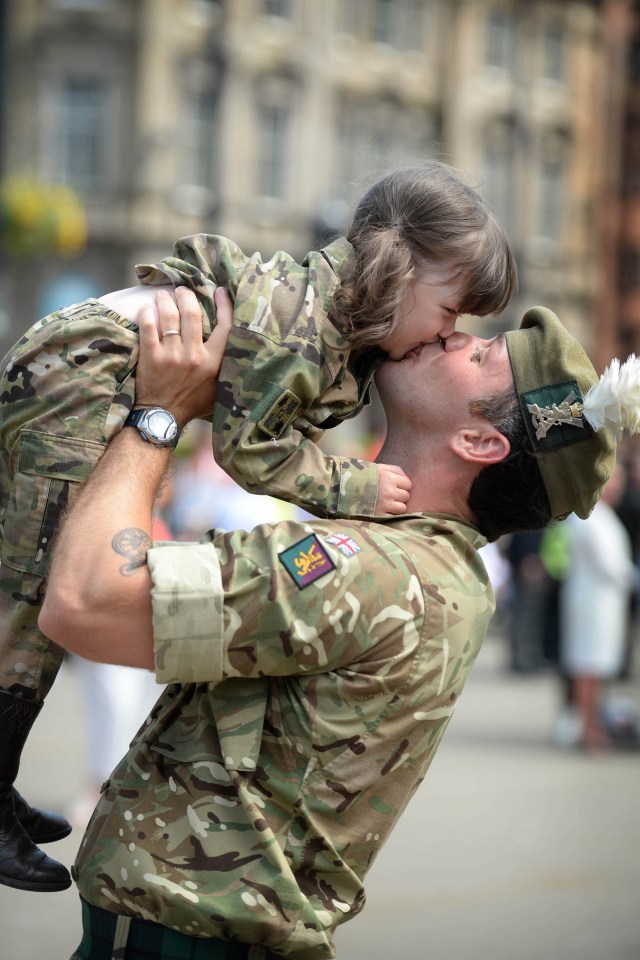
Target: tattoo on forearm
133, 544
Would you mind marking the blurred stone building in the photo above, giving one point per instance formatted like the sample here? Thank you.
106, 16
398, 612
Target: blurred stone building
264, 119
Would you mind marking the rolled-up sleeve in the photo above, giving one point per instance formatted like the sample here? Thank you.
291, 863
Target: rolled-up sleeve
282, 600
187, 602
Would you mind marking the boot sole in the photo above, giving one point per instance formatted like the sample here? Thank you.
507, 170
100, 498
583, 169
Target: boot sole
37, 887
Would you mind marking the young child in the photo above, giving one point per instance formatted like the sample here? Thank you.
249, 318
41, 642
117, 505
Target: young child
306, 340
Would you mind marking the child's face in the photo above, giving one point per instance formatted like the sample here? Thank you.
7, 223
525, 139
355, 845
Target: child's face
428, 312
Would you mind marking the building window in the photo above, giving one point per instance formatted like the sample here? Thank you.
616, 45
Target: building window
498, 172
383, 21
277, 8
500, 40
81, 4
554, 52
273, 132
350, 18
198, 168
550, 219
374, 135
83, 133
399, 24
416, 14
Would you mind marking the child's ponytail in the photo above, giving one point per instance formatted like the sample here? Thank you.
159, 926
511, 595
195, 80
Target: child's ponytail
365, 305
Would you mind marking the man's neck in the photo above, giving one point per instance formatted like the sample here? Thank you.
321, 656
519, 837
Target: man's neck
436, 486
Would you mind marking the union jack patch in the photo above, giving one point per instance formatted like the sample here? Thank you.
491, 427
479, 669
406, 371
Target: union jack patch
344, 543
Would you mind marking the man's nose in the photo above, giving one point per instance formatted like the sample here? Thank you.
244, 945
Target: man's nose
456, 341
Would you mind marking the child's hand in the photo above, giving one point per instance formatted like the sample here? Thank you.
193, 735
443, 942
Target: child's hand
394, 487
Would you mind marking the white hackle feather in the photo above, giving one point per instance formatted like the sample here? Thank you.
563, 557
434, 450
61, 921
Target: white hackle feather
614, 402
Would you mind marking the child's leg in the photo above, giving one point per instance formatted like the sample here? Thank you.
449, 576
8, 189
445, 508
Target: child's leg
65, 390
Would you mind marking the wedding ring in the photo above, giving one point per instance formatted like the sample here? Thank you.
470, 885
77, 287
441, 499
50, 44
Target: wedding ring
171, 333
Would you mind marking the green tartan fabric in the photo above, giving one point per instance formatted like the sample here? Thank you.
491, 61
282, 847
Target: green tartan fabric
148, 940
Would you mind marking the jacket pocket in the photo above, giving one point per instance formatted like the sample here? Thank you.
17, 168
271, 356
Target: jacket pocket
224, 725
48, 466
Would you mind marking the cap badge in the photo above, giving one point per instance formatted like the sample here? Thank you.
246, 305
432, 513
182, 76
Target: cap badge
566, 413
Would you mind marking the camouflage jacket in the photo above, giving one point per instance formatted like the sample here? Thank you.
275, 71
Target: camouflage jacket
312, 671
287, 373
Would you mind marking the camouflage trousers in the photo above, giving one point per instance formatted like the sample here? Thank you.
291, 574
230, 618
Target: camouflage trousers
66, 388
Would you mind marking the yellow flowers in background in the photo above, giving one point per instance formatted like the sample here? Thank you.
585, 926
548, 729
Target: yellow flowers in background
40, 218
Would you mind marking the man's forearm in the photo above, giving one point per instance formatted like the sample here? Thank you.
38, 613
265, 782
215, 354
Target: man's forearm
98, 600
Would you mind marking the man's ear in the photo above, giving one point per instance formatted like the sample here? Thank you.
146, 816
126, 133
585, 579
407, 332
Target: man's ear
483, 446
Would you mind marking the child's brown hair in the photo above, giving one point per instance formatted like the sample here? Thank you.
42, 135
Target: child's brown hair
420, 215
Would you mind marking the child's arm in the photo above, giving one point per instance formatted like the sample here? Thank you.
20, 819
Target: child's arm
265, 434
276, 369
201, 262
292, 467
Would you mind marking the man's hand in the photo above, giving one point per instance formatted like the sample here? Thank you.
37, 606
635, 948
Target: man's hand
176, 369
394, 488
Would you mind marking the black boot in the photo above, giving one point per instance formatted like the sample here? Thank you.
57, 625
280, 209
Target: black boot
22, 864
42, 826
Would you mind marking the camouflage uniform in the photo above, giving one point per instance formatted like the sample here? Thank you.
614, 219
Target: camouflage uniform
68, 384
65, 391
312, 670
286, 374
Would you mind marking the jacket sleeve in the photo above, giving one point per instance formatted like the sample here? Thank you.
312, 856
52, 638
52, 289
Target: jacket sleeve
273, 373
263, 440
202, 262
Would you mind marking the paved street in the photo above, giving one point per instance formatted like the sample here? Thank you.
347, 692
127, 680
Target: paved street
512, 849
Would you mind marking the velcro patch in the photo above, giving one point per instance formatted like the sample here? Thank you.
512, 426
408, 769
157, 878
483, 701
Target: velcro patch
280, 414
306, 561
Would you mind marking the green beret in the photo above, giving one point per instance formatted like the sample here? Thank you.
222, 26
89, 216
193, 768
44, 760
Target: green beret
552, 375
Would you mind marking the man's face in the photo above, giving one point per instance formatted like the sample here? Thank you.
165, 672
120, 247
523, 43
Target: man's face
433, 384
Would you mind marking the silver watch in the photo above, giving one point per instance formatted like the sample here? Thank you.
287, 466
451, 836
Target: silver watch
155, 425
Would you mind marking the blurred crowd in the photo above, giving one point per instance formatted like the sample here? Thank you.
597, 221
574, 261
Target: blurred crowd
568, 601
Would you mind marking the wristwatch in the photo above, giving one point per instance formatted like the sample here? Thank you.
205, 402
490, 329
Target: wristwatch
155, 425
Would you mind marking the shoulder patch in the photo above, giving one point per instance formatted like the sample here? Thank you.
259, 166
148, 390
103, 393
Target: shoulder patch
306, 561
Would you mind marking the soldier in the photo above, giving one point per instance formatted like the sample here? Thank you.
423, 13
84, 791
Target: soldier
312, 666
305, 343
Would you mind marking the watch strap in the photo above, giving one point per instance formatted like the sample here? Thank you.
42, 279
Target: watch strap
135, 416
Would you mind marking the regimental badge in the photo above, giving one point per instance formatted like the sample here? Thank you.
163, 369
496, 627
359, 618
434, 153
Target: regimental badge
552, 414
306, 561
344, 543
568, 412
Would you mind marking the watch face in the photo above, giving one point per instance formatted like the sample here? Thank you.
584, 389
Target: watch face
162, 425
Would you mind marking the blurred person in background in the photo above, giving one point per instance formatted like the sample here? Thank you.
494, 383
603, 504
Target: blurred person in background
628, 509
306, 340
527, 602
594, 608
